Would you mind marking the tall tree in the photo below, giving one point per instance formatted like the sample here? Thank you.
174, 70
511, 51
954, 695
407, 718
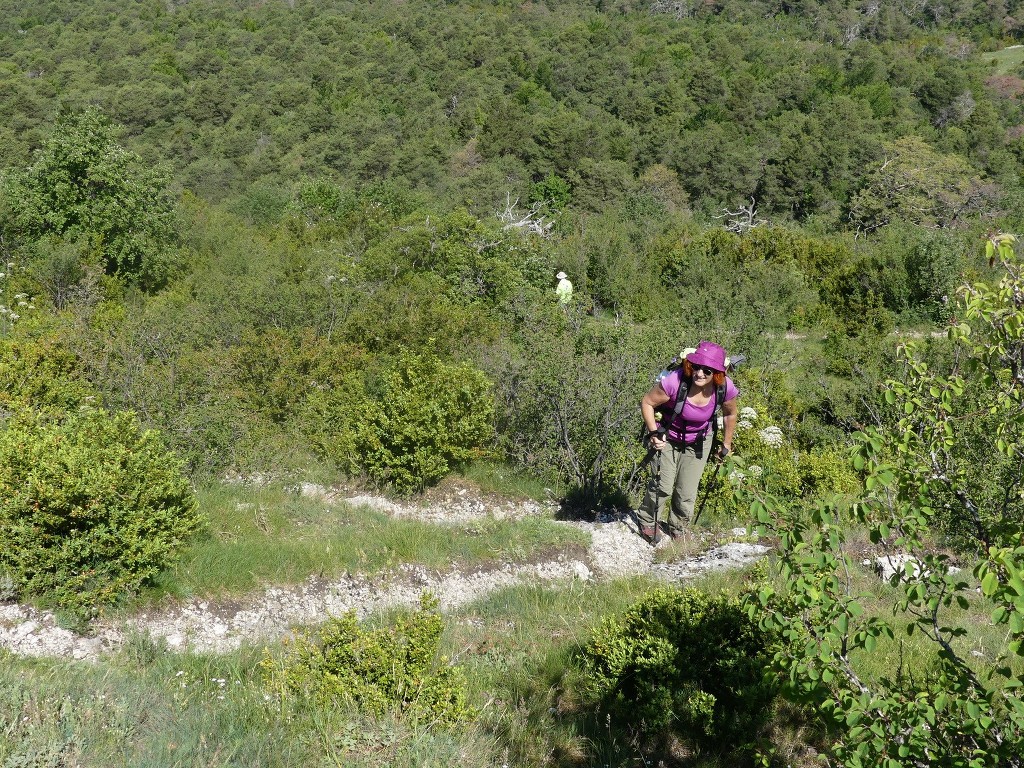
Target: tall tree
84, 184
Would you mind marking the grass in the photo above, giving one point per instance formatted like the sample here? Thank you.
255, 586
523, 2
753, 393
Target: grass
499, 479
1008, 61
157, 709
910, 654
147, 707
270, 535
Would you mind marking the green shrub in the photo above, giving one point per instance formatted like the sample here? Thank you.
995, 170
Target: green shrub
191, 400
91, 507
428, 417
394, 669
825, 472
686, 663
82, 182
43, 374
568, 394
763, 457
276, 371
334, 419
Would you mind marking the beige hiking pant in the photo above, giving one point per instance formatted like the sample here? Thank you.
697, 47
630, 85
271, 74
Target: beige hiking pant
677, 476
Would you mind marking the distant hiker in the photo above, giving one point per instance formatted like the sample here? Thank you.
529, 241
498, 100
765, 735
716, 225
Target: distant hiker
564, 288
686, 434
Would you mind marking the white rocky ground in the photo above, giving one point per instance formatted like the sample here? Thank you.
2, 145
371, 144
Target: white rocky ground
205, 626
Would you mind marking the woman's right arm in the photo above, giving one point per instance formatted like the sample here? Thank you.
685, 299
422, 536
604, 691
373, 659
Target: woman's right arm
655, 398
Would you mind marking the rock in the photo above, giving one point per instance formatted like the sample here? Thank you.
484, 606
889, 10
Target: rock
888, 565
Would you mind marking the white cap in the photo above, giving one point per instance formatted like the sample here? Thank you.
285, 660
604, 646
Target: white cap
561, 275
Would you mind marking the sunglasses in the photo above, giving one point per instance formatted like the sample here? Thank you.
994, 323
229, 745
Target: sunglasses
707, 371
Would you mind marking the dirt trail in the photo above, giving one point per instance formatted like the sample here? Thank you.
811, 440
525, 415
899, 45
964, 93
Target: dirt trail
206, 626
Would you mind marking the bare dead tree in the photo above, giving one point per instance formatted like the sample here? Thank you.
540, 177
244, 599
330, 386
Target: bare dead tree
530, 222
742, 220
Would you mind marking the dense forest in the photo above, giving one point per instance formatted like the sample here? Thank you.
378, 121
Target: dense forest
229, 196
286, 238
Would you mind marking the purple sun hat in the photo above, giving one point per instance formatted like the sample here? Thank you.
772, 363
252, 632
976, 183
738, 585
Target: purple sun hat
709, 354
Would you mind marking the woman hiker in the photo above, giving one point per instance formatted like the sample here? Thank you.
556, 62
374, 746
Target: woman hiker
684, 435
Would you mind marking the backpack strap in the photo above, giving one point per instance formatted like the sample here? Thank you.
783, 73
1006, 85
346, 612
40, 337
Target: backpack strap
677, 408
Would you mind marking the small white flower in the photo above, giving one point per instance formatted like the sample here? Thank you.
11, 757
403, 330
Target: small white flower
15, 316
3, 274
736, 476
755, 470
745, 424
748, 413
771, 436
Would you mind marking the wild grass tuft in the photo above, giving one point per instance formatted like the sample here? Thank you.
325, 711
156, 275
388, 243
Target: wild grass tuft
504, 481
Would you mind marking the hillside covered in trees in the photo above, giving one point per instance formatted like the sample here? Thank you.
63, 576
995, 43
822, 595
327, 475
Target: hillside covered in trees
288, 239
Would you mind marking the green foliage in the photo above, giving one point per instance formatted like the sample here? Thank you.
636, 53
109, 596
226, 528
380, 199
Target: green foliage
82, 183
826, 472
553, 192
918, 184
765, 456
686, 663
476, 261
570, 103
277, 371
757, 276
766, 459
915, 271
956, 441
427, 417
567, 396
950, 461
335, 421
91, 507
42, 373
396, 669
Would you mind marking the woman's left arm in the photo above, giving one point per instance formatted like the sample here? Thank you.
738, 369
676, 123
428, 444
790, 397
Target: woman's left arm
730, 411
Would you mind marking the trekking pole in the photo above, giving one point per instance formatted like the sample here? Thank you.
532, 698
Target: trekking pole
719, 463
656, 480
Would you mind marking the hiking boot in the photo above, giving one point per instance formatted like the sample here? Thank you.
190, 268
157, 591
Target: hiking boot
681, 534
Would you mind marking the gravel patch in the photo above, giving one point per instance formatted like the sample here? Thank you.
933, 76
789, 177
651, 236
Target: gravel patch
727, 557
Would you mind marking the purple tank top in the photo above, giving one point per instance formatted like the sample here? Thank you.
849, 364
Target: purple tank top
694, 421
